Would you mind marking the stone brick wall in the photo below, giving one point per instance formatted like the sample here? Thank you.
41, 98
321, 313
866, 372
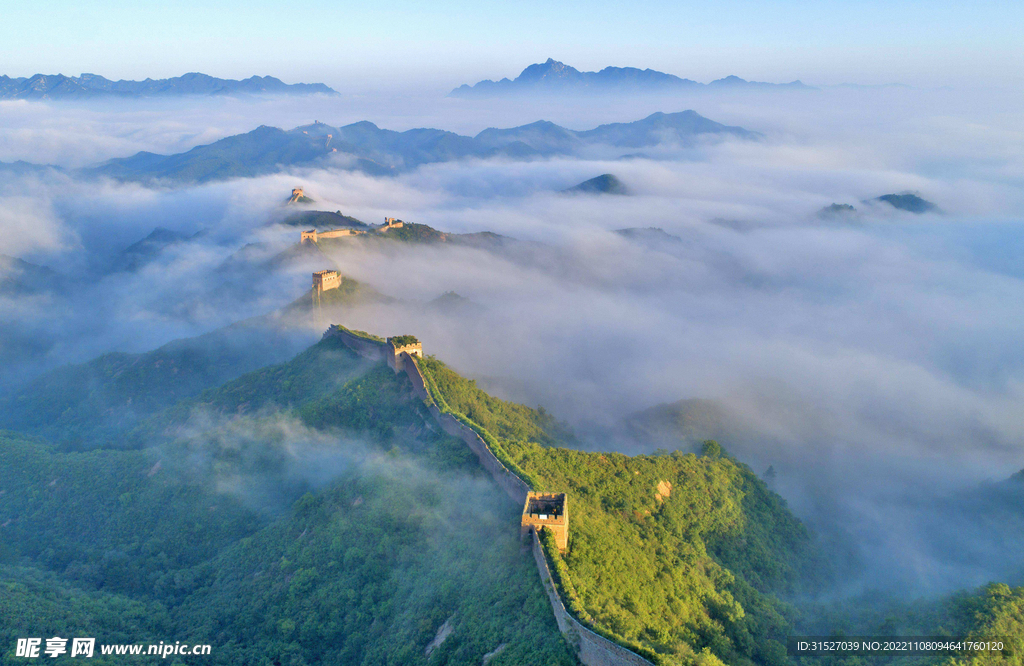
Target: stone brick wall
591, 649
336, 233
313, 236
362, 346
513, 486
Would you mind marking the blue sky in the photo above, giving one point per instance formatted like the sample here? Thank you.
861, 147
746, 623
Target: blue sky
453, 41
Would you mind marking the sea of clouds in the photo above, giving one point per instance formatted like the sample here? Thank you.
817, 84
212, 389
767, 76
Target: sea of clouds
877, 358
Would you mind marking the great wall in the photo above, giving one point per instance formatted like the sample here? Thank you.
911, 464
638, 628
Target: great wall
541, 511
314, 236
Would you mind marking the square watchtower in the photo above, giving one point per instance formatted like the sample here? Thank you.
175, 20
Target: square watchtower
547, 511
324, 280
401, 344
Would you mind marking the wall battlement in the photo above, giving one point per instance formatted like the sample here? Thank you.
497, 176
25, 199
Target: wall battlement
314, 236
299, 196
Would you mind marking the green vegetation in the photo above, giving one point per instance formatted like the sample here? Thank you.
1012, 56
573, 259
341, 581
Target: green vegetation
311, 512
322, 220
996, 612
836, 211
604, 184
40, 605
350, 292
368, 571
359, 334
97, 403
99, 516
684, 424
403, 340
410, 232
300, 514
440, 381
316, 372
668, 554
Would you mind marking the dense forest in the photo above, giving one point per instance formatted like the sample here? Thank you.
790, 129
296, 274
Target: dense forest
670, 553
310, 512
302, 513
689, 559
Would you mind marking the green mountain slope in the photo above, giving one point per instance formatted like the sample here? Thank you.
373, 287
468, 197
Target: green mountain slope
313, 512
100, 519
96, 403
669, 553
369, 572
406, 536
33, 603
323, 219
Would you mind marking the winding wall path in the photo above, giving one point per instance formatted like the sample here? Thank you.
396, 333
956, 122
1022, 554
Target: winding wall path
591, 648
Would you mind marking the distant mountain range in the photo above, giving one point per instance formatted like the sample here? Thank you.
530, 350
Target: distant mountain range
86, 86
366, 147
557, 77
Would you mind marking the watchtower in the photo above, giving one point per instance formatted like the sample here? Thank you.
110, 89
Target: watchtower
402, 344
547, 511
325, 280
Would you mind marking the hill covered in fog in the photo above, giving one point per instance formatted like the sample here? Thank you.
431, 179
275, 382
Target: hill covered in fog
374, 150
86, 86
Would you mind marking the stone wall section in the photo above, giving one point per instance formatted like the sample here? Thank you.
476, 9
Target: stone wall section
513, 486
592, 649
362, 346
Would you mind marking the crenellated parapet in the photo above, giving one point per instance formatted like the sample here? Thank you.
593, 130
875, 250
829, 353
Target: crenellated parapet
326, 280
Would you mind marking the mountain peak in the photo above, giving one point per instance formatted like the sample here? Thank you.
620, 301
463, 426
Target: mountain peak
551, 69
555, 76
606, 183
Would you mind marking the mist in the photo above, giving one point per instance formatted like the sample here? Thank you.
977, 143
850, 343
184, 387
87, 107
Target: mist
873, 361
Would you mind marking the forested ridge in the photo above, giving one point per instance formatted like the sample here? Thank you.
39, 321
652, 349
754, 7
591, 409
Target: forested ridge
301, 514
311, 512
